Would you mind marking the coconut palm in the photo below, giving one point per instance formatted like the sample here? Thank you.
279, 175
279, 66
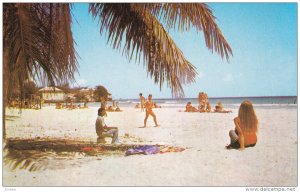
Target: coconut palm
38, 41
141, 26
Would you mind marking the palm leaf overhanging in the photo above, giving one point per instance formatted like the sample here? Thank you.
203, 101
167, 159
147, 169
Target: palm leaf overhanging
38, 43
146, 37
38, 40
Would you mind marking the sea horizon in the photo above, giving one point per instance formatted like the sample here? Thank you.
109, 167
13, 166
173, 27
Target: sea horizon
226, 101
213, 97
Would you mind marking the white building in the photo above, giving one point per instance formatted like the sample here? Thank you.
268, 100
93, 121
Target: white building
52, 94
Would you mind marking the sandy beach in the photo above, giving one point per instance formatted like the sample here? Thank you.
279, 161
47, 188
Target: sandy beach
205, 162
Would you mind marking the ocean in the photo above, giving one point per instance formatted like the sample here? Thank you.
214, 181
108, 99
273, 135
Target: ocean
228, 102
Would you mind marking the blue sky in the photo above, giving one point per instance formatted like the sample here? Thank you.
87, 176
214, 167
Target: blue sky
263, 37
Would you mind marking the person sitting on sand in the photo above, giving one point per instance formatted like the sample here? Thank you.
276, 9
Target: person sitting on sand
103, 130
58, 106
246, 126
149, 111
190, 108
208, 107
110, 108
202, 107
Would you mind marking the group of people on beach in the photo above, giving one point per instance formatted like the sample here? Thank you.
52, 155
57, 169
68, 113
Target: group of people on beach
244, 134
103, 130
143, 102
70, 105
204, 105
34, 102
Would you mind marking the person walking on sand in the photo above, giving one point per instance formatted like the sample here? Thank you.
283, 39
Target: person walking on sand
149, 111
142, 99
103, 130
246, 126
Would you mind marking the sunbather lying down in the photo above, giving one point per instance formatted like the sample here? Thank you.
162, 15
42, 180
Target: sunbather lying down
190, 108
112, 109
219, 109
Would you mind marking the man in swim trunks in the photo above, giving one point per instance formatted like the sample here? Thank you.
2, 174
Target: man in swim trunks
149, 111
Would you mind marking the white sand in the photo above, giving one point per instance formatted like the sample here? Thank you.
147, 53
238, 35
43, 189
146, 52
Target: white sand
273, 162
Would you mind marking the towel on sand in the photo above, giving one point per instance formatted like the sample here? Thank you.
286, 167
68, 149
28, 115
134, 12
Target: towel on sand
146, 150
152, 149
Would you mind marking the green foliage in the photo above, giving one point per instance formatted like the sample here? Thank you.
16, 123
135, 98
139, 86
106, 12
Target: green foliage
30, 88
100, 92
65, 87
80, 97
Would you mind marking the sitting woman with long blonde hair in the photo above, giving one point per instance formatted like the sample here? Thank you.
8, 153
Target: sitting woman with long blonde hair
246, 126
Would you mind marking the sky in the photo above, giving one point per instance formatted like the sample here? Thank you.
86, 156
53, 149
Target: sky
263, 38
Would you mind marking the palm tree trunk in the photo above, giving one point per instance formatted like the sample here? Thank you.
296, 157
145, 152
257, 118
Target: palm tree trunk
3, 123
6, 75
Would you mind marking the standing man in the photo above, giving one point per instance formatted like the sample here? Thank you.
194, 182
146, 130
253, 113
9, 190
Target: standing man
142, 99
148, 106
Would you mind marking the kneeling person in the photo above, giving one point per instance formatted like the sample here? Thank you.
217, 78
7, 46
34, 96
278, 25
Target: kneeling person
103, 130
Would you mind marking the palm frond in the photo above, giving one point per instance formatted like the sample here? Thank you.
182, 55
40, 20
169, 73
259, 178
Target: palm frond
198, 15
38, 43
147, 38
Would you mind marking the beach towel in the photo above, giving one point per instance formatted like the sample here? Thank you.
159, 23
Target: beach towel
171, 149
146, 150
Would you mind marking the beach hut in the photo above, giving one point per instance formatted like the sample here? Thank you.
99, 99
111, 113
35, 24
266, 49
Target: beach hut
52, 94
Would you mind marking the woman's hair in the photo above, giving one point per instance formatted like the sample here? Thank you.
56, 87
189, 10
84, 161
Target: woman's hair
247, 116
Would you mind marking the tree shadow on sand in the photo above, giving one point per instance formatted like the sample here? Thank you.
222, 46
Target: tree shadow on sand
32, 160
42, 154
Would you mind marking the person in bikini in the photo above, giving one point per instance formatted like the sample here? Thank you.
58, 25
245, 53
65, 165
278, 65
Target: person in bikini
149, 111
246, 126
